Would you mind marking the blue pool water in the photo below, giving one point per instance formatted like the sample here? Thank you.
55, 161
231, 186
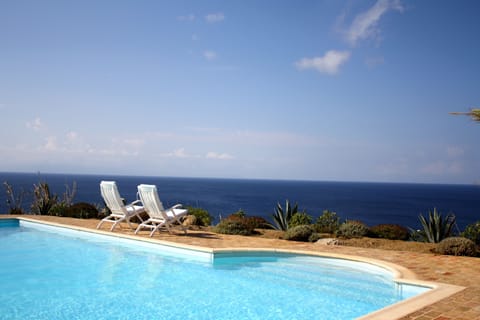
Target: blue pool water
55, 273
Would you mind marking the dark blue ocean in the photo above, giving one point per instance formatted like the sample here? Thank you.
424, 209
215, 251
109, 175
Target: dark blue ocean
372, 203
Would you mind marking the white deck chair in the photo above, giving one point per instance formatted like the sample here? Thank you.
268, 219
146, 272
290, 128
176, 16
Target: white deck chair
159, 217
119, 211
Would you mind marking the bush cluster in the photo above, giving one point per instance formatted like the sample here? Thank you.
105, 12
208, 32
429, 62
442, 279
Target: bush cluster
472, 232
352, 229
389, 231
328, 222
299, 219
203, 218
258, 222
314, 237
457, 246
253, 222
237, 225
80, 210
299, 233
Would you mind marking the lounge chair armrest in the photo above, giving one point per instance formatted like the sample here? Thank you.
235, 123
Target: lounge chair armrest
135, 202
172, 209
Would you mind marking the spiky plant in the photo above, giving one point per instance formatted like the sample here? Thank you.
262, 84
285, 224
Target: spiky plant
69, 194
14, 200
43, 200
437, 227
281, 216
474, 113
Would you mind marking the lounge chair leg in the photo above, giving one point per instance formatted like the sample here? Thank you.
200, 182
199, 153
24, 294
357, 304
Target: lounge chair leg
138, 229
115, 224
154, 229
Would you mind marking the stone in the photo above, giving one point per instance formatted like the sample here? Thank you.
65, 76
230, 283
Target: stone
190, 220
327, 242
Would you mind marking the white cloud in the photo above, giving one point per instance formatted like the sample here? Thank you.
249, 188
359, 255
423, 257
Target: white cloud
330, 63
178, 153
365, 25
72, 135
35, 124
74, 143
51, 144
219, 156
210, 55
215, 17
189, 17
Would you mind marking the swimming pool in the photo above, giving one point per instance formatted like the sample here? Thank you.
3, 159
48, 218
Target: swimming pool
55, 273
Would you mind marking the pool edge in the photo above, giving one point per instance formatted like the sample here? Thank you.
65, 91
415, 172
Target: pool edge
401, 274
119, 235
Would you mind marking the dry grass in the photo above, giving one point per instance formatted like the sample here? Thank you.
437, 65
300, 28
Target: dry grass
397, 245
365, 242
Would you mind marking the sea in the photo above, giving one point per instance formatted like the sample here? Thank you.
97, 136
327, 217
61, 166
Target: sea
370, 202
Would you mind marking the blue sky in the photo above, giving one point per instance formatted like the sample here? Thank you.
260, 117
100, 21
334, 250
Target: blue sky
318, 90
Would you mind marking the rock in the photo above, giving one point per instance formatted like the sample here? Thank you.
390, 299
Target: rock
190, 220
328, 242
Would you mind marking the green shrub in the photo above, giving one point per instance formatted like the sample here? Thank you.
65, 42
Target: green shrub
328, 222
202, 215
314, 237
235, 225
457, 246
240, 213
352, 229
299, 219
299, 233
472, 232
257, 222
389, 231
80, 210
58, 209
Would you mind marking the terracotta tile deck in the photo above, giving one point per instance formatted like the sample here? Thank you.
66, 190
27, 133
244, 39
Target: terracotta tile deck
460, 271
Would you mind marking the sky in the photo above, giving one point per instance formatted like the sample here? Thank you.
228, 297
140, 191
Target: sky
273, 89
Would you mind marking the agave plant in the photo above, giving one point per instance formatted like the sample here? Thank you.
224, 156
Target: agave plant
282, 217
437, 228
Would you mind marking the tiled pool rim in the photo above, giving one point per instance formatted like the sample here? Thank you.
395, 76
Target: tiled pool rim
401, 274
